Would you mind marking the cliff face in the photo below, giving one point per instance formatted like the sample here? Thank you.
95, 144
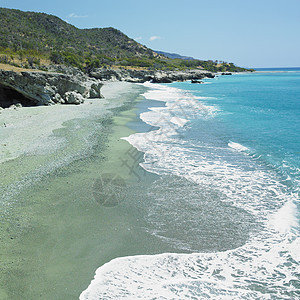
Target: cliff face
45, 88
141, 76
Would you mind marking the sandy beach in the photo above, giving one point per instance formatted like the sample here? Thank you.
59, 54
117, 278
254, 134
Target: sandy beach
29, 129
53, 232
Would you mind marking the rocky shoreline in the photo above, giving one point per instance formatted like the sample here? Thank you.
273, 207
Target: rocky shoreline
67, 85
31, 88
141, 76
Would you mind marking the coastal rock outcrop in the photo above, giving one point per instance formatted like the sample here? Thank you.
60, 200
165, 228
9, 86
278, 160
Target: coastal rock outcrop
196, 81
155, 76
46, 88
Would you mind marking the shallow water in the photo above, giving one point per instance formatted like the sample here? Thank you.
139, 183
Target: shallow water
225, 202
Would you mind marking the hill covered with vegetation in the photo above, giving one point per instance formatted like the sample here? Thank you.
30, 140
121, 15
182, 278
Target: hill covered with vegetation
30, 39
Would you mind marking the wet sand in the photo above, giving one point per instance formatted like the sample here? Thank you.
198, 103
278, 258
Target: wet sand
54, 231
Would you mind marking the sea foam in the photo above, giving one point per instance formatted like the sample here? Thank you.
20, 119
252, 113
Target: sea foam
237, 146
266, 265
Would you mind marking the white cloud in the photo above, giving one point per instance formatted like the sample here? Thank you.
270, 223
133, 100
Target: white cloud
155, 37
73, 15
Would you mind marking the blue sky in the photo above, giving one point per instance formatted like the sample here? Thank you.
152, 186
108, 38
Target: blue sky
253, 33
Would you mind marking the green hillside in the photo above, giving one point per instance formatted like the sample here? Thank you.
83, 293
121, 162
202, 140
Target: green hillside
30, 39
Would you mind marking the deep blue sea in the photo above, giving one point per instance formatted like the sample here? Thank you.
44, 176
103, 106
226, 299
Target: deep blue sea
227, 153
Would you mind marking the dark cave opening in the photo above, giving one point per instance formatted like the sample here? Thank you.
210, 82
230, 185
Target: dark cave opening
9, 96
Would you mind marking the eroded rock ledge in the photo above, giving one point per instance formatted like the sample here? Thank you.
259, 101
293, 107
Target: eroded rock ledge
69, 85
46, 88
141, 76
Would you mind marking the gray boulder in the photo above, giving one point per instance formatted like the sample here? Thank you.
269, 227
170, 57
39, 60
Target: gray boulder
95, 90
73, 97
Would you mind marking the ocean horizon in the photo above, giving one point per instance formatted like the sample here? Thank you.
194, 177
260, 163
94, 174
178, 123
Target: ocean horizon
287, 69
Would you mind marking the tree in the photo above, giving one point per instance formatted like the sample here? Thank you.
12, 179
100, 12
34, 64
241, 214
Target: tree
56, 58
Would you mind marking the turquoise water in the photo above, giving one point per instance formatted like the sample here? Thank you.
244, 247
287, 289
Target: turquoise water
260, 112
227, 199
